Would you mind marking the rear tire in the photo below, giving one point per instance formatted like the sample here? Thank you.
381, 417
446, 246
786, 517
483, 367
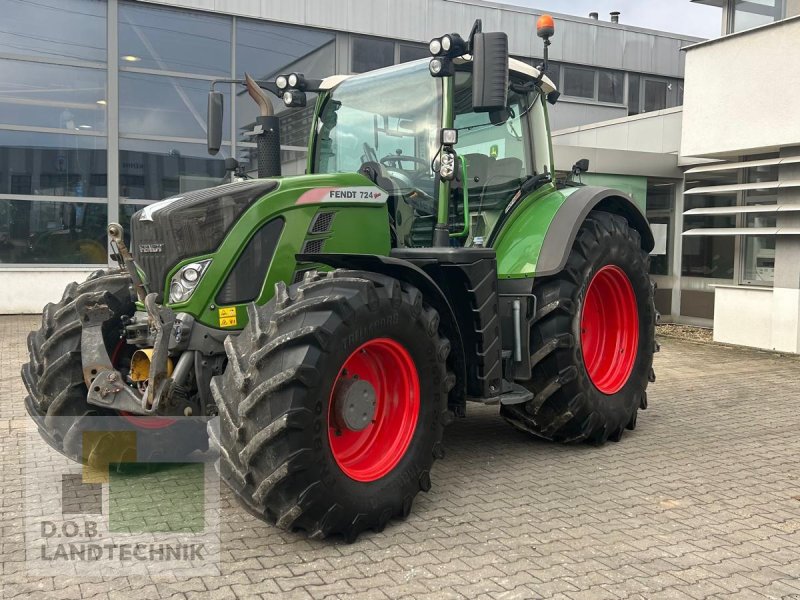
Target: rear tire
586, 385
279, 448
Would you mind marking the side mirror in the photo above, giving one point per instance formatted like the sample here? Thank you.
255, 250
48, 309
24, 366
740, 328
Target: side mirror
582, 166
214, 121
231, 164
489, 71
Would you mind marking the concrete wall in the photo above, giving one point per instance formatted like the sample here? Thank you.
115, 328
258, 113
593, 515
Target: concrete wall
643, 145
657, 132
26, 291
742, 92
571, 113
758, 317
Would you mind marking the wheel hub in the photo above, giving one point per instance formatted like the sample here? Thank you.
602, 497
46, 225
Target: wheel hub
373, 409
609, 329
354, 403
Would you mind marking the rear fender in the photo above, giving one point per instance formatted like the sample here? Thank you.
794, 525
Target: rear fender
537, 241
434, 296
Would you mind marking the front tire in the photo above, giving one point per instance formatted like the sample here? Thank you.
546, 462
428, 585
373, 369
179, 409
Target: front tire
593, 339
289, 446
54, 375
57, 391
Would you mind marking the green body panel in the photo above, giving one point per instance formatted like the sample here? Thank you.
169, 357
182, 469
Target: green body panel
358, 227
519, 242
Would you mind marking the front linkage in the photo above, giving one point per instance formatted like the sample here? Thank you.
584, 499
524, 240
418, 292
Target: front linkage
158, 332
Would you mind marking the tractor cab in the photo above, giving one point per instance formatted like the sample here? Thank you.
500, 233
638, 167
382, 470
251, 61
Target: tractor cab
386, 125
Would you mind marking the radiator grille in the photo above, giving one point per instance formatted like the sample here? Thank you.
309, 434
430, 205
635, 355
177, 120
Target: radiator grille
313, 246
322, 223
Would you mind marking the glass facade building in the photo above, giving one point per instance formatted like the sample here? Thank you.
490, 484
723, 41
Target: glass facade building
103, 108
63, 134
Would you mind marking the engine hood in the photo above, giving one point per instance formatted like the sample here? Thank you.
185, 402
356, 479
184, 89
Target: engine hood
195, 223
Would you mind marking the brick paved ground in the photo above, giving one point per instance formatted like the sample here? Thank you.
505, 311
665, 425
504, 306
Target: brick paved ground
702, 500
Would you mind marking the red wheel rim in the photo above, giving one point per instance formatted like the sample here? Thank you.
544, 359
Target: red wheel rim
371, 453
138, 420
609, 329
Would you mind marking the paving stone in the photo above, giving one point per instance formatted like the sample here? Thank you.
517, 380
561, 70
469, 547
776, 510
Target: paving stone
700, 501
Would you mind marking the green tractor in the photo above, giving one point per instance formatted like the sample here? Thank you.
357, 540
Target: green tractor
329, 326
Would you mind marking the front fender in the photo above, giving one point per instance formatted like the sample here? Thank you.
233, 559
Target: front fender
433, 294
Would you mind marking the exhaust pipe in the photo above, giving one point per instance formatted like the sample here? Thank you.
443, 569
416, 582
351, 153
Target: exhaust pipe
267, 132
615, 16
594, 15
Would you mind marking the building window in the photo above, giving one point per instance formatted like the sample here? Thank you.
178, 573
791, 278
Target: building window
54, 29
45, 164
164, 105
611, 86
709, 256
53, 96
655, 95
634, 83
152, 170
168, 39
367, 54
754, 13
408, 52
759, 251
266, 50
647, 94
660, 197
45, 232
579, 82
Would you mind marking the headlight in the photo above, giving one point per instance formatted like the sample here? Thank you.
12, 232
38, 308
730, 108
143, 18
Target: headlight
281, 82
186, 280
435, 46
446, 42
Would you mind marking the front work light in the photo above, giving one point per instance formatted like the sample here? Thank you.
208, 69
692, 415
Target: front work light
442, 67
454, 45
186, 280
449, 137
451, 45
282, 82
293, 98
297, 81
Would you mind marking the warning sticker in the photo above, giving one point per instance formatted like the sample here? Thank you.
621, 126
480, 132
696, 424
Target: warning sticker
227, 317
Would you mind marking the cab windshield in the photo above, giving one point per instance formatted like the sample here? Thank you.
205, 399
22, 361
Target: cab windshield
389, 118
387, 124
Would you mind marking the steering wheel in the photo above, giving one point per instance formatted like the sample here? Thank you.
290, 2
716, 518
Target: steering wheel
395, 161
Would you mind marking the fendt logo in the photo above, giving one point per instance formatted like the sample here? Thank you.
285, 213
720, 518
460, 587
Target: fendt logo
154, 248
